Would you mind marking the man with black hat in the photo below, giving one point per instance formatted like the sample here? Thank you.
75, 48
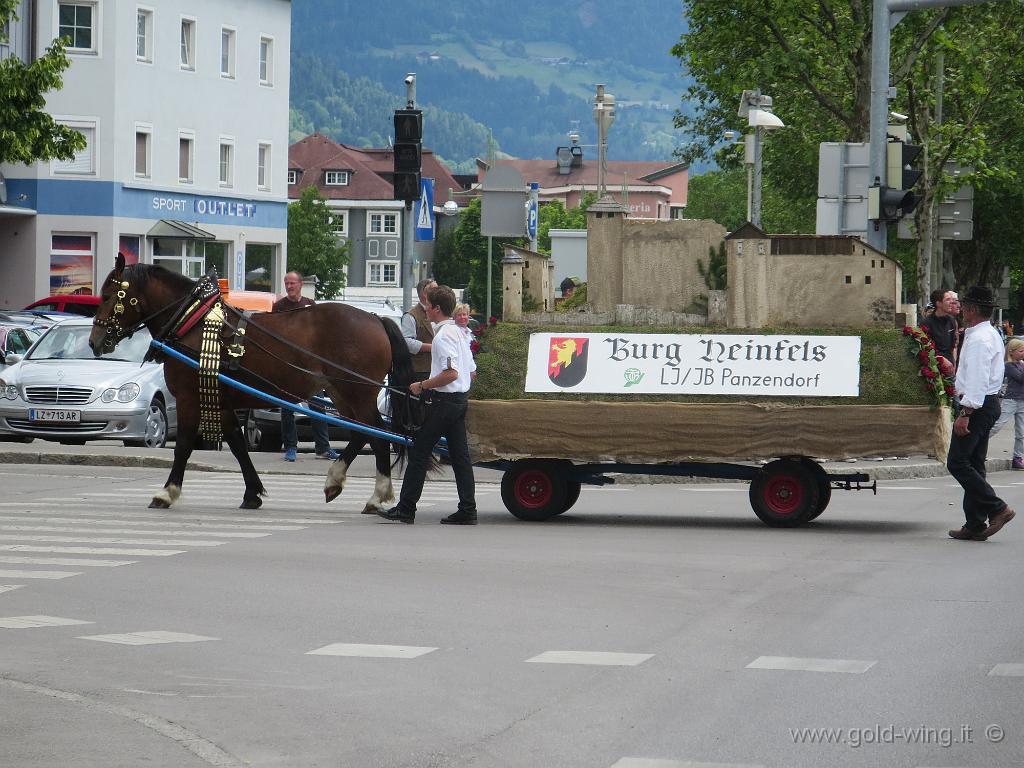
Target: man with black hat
978, 378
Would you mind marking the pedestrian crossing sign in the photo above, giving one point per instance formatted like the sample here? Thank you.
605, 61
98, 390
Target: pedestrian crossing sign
425, 211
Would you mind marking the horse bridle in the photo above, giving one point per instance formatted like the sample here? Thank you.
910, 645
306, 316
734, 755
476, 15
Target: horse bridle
115, 329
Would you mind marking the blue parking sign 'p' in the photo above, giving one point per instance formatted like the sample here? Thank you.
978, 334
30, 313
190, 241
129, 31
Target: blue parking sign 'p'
424, 211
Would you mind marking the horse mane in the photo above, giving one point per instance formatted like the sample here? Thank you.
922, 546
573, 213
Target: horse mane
139, 276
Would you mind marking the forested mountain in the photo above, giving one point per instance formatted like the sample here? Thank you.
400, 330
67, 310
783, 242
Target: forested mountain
526, 71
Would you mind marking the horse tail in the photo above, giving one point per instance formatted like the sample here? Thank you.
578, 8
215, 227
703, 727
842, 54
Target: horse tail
399, 378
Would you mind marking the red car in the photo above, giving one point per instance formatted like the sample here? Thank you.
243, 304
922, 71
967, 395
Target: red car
75, 303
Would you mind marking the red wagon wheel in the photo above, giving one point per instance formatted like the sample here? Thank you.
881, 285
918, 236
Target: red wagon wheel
535, 489
785, 494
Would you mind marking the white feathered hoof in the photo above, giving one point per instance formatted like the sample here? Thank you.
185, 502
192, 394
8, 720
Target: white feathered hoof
335, 482
165, 497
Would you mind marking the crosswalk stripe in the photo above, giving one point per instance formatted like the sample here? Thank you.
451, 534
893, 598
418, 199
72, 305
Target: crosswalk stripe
91, 510
231, 497
32, 622
1007, 670
134, 531
792, 663
148, 638
180, 523
4, 574
64, 561
597, 658
92, 550
100, 540
371, 651
647, 762
10, 587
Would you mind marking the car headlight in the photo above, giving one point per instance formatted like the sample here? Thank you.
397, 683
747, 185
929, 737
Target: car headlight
125, 394
8, 391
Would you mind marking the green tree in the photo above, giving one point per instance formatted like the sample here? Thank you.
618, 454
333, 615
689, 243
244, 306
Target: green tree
27, 132
313, 248
471, 248
813, 57
554, 215
449, 267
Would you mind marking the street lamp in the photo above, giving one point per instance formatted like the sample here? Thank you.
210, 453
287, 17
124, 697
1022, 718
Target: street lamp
757, 108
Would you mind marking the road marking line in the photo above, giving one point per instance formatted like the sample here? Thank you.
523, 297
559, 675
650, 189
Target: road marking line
92, 550
29, 622
134, 531
63, 561
5, 574
371, 651
10, 587
155, 523
1007, 670
795, 664
153, 637
647, 762
94, 540
90, 509
597, 658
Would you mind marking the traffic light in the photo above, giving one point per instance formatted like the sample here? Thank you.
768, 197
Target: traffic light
895, 200
408, 154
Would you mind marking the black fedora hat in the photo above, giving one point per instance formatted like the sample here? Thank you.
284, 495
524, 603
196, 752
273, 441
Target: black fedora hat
979, 296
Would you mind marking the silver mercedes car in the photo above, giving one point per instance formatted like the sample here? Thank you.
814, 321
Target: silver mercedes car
60, 391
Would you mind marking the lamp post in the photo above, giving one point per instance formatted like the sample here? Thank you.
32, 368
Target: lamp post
604, 115
757, 109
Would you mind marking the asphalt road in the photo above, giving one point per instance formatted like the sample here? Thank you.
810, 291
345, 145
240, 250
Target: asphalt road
650, 627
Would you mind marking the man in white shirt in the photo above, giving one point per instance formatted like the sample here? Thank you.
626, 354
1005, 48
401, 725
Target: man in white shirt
978, 378
446, 389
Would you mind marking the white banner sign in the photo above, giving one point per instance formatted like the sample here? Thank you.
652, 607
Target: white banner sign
678, 364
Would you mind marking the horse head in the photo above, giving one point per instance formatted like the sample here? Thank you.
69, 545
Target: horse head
119, 312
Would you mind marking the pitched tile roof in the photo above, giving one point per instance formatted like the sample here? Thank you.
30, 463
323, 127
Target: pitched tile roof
370, 170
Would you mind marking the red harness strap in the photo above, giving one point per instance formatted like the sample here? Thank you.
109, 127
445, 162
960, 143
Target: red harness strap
194, 314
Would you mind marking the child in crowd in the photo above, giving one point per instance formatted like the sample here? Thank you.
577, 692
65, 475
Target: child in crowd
1013, 399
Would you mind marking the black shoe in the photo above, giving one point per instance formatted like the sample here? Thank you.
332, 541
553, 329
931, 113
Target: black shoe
396, 514
460, 518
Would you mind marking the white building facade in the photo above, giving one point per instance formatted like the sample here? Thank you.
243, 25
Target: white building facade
184, 104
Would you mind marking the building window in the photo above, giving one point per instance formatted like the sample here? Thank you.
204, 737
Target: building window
266, 61
84, 162
293, 177
336, 178
71, 263
263, 167
76, 26
339, 222
142, 154
383, 223
188, 44
185, 159
381, 273
144, 35
227, 52
227, 151
182, 256
128, 247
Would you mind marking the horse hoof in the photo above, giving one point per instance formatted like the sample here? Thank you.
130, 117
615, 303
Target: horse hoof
369, 509
251, 503
330, 494
159, 504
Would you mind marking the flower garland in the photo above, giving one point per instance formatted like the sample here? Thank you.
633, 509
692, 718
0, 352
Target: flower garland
936, 370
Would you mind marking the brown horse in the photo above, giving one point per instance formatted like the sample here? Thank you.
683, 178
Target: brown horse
292, 355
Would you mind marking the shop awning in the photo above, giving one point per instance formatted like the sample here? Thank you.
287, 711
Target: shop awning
179, 229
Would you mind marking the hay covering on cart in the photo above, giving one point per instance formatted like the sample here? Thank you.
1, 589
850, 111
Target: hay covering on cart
893, 416
653, 433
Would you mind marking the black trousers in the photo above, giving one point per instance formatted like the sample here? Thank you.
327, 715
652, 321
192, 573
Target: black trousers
446, 417
966, 462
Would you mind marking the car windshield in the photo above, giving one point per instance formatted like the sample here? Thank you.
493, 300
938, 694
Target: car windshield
71, 342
